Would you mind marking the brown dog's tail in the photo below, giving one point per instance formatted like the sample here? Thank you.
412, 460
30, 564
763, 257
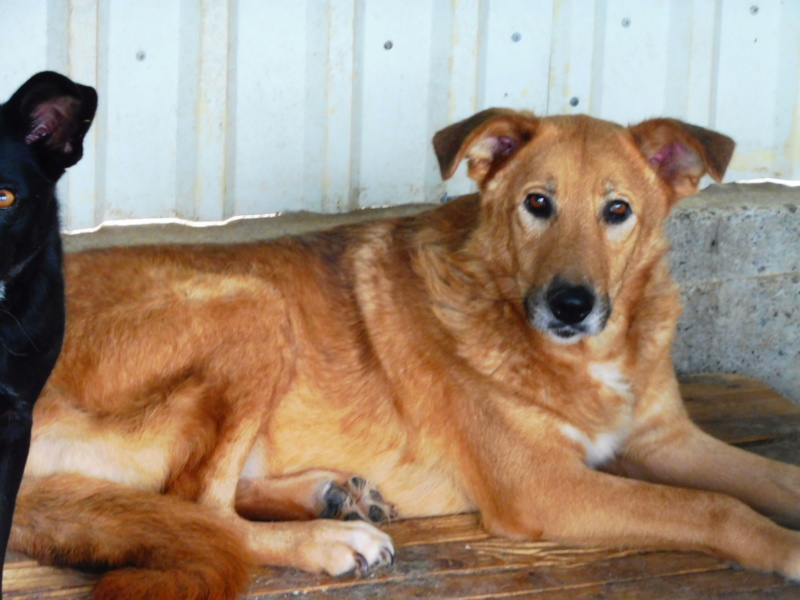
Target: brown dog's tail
161, 547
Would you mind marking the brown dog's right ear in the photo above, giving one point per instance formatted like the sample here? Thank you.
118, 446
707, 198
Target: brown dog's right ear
487, 139
682, 153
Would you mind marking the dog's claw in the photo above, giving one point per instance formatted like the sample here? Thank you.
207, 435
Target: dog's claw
362, 566
386, 557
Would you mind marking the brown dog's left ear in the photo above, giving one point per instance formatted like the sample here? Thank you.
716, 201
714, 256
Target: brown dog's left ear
681, 153
487, 140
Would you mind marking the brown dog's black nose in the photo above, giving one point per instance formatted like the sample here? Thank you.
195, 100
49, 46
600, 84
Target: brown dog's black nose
570, 304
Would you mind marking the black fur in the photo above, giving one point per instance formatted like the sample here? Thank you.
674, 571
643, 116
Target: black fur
41, 134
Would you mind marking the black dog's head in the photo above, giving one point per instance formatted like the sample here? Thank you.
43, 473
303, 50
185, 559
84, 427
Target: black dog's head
41, 134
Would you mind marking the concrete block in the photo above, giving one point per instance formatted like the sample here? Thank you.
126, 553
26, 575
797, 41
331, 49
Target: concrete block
747, 326
758, 333
694, 346
736, 230
736, 254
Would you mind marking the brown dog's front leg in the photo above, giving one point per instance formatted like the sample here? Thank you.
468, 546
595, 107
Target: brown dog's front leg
322, 545
679, 453
666, 447
579, 505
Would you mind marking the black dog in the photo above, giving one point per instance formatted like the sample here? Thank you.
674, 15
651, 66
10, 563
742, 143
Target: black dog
41, 134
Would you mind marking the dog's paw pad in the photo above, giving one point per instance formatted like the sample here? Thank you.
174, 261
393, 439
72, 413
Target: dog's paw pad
354, 500
358, 484
335, 498
376, 514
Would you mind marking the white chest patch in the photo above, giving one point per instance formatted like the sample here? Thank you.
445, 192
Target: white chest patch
610, 376
603, 447
599, 450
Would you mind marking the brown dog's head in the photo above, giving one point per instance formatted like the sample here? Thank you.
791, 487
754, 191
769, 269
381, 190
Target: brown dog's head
572, 206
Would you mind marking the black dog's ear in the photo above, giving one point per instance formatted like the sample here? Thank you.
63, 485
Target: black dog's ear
52, 114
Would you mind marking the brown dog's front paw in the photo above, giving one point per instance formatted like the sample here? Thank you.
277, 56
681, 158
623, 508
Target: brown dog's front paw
339, 548
356, 499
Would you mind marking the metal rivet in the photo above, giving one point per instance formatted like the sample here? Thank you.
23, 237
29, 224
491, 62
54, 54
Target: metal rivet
574, 101
516, 37
626, 22
140, 55
754, 10
388, 45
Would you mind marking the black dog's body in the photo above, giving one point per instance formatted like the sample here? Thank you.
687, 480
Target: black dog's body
41, 133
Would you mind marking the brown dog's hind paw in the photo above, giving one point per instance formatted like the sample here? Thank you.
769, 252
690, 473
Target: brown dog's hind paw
355, 499
311, 494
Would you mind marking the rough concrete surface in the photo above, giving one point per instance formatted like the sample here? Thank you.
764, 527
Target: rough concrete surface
736, 254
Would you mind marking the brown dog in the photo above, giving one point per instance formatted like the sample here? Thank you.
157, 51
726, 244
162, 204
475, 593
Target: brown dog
487, 355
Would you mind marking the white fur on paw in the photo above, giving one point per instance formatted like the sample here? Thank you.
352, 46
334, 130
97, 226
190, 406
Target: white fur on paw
354, 546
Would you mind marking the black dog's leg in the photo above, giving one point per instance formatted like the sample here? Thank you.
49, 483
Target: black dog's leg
15, 439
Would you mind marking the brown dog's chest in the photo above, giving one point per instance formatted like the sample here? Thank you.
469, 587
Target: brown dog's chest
600, 417
581, 392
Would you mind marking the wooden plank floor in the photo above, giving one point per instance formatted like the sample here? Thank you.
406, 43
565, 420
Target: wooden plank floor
451, 557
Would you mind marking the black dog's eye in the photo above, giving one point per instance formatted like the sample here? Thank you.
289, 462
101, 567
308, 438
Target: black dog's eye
7, 198
616, 212
539, 205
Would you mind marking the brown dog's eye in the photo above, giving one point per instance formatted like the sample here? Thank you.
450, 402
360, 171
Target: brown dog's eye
616, 212
539, 205
7, 198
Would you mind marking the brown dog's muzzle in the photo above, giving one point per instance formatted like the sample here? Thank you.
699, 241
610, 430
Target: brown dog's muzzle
567, 312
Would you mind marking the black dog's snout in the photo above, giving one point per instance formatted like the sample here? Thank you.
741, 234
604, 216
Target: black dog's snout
570, 304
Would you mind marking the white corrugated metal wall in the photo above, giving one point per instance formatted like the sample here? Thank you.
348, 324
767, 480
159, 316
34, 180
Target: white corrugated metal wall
214, 108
